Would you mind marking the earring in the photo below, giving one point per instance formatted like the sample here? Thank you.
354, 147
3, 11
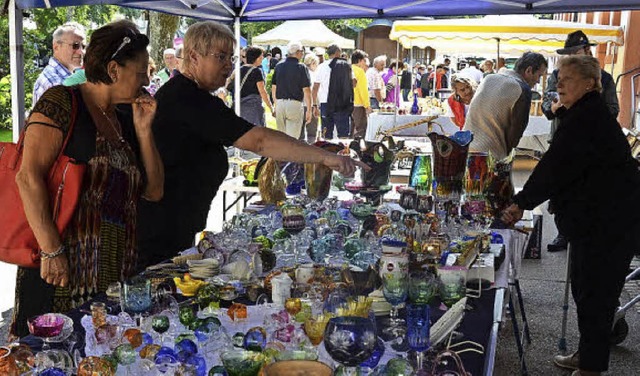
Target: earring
113, 79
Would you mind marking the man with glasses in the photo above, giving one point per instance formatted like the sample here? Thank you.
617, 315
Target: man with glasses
68, 51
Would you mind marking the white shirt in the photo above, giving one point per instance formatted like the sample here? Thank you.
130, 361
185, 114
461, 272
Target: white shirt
323, 77
375, 82
473, 73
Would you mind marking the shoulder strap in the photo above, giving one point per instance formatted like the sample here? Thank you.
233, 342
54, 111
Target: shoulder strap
74, 112
244, 79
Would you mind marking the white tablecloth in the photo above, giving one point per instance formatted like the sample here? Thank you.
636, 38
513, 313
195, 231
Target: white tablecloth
534, 137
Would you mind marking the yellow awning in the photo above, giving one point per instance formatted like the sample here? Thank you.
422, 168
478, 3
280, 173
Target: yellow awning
516, 33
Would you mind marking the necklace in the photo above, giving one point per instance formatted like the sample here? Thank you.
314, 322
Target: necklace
111, 124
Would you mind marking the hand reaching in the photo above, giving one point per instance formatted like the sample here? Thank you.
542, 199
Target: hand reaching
343, 164
144, 110
511, 215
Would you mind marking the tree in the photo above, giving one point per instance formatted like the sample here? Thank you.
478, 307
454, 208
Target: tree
162, 28
37, 45
348, 28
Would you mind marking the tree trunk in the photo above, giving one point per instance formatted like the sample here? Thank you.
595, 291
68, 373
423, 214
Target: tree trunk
162, 28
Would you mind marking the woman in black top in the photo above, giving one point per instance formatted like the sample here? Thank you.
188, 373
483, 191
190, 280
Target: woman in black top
192, 129
594, 184
252, 91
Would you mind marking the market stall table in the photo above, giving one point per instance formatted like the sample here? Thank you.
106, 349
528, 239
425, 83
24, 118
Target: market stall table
534, 137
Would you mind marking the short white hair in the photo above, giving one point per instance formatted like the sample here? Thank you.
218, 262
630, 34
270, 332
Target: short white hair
381, 58
310, 59
69, 27
294, 46
169, 51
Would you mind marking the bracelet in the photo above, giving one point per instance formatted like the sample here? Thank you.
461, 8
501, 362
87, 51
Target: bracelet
58, 252
314, 105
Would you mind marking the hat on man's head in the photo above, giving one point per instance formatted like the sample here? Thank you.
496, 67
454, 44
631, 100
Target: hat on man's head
574, 42
319, 51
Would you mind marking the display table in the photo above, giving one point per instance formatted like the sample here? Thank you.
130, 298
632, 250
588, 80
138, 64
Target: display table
480, 324
242, 192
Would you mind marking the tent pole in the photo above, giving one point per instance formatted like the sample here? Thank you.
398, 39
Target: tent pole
236, 71
16, 62
614, 47
498, 58
397, 88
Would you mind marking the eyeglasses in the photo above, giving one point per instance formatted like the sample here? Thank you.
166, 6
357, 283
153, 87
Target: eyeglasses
223, 57
125, 41
74, 45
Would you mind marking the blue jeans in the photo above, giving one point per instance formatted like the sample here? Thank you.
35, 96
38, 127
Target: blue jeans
338, 120
405, 94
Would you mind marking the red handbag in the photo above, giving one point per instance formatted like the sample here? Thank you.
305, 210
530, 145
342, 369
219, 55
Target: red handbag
18, 244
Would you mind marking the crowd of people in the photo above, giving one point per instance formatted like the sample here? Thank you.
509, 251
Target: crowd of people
155, 162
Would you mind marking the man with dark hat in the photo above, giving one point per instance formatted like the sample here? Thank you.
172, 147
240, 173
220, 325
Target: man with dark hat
576, 43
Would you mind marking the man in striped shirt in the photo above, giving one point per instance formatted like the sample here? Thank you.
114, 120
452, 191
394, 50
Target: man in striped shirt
68, 51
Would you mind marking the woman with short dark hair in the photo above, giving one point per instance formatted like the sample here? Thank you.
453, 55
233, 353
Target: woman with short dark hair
112, 136
252, 89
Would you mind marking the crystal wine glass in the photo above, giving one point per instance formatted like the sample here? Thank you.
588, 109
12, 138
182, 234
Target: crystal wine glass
160, 324
136, 296
293, 222
418, 330
350, 341
395, 288
45, 326
361, 211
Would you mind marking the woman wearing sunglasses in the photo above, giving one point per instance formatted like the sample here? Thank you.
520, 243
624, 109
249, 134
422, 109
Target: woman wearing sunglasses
68, 51
192, 129
112, 136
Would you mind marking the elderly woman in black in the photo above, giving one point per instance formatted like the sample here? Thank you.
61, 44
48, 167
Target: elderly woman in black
112, 135
192, 129
594, 184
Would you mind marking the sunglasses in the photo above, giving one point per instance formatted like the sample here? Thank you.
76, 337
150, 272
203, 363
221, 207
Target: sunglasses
75, 45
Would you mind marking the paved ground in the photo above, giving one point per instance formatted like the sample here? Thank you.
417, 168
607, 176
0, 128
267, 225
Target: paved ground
542, 284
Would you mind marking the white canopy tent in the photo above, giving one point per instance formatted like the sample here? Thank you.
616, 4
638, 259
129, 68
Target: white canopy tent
312, 33
511, 34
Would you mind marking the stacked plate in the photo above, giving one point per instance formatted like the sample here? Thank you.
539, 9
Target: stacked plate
203, 269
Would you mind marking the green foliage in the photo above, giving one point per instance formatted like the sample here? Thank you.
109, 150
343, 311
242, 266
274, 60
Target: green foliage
348, 28
6, 135
161, 31
38, 41
267, 84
